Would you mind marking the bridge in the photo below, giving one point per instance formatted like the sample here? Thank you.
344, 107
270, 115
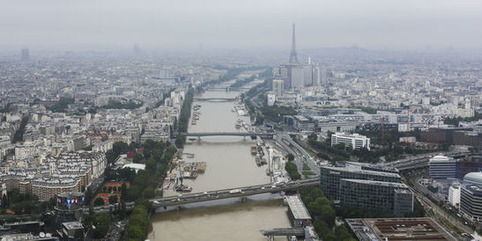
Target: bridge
288, 232
200, 134
183, 199
215, 99
188, 198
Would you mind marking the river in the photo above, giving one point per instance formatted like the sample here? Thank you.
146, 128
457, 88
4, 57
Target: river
229, 164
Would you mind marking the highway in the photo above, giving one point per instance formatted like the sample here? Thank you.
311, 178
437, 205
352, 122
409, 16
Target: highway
420, 161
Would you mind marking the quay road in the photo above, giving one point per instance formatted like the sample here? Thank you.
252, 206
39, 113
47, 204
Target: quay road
308, 159
188, 198
421, 161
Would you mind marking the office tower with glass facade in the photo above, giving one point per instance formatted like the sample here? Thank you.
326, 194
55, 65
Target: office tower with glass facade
330, 178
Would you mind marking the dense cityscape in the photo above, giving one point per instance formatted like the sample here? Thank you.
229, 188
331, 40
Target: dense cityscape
335, 144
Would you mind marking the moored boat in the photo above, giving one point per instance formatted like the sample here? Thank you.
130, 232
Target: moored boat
183, 188
253, 150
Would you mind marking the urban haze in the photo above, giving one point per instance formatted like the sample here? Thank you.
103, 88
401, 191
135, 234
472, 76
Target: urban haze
240, 120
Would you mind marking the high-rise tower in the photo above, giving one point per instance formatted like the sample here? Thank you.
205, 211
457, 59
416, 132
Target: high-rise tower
293, 55
25, 56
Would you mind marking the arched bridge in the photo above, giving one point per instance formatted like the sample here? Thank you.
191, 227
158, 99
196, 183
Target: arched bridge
200, 134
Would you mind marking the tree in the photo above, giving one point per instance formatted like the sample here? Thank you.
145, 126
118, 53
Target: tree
290, 157
148, 192
99, 202
101, 224
138, 158
4, 201
122, 211
113, 199
123, 192
179, 141
89, 195
321, 227
328, 214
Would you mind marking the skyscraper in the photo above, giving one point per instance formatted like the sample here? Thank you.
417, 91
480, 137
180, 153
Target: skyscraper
25, 55
278, 88
293, 55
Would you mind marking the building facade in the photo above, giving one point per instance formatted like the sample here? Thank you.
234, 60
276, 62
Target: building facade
454, 195
471, 202
330, 178
391, 197
442, 167
352, 141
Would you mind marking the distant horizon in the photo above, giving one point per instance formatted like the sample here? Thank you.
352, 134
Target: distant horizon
122, 48
249, 24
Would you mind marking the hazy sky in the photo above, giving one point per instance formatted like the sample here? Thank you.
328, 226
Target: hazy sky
371, 24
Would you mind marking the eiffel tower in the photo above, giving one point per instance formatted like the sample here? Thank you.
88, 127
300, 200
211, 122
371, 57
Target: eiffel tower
293, 55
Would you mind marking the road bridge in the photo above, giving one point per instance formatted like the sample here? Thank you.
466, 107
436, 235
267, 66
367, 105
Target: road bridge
298, 232
188, 198
201, 134
215, 99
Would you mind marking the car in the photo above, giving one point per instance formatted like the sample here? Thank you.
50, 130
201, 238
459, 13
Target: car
156, 202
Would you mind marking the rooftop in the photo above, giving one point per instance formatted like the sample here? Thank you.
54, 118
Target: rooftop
367, 172
379, 183
378, 229
473, 178
72, 225
297, 207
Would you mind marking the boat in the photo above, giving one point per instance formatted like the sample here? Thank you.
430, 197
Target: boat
258, 160
253, 150
183, 188
167, 183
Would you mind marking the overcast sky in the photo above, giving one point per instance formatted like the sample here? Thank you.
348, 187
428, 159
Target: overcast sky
373, 24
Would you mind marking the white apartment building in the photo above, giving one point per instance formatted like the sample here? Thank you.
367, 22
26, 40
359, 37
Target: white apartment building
353, 141
454, 195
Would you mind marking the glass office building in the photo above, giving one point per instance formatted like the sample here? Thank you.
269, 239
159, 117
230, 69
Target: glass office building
330, 178
391, 197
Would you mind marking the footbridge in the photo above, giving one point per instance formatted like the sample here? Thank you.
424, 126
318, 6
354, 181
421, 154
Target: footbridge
188, 198
201, 134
